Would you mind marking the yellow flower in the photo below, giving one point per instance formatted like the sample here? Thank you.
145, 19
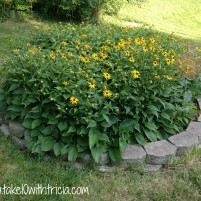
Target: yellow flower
87, 60
152, 40
65, 83
109, 64
74, 100
157, 76
28, 44
136, 74
107, 76
52, 56
137, 41
64, 43
32, 51
58, 50
92, 85
63, 56
127, 53
108, 42
145, 49
155, 63
87, 46
169, 77
36, 27
105, 47
164, 54
107, 93
16, 50
168, 61
70, 54
131, 59
95, 56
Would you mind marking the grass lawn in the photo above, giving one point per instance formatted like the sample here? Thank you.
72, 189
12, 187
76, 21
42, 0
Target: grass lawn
178, 181
181, 17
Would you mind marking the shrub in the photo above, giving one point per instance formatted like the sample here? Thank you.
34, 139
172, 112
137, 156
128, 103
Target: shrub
96, 88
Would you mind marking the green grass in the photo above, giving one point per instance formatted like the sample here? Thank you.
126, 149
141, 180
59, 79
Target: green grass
181, 17
176, 182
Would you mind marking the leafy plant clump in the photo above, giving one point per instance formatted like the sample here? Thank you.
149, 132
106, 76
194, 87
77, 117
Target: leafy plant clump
96, 88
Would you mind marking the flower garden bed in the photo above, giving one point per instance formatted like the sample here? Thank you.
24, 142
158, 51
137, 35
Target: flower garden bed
95, 89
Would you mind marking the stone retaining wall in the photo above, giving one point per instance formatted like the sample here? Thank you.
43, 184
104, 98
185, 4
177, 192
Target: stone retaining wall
153, 155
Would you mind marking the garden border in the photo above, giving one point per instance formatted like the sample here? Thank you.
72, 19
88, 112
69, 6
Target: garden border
153, 154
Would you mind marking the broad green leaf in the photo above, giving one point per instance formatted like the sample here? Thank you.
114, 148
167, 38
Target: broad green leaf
115, 154
188, 96
64, 150
94, 136
72, 129
91, 124
151, 126
96, 153
107, 119
57, 149
62, 126
47, 144
35, 132
72, 153
35, 123
150, 135
122, 143
140, 138
27, 123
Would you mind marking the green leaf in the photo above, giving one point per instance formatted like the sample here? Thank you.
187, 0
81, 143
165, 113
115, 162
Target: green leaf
35, 132
72, 153
122, 143
140, 138
107, 119
94, 136
47, 130
27, 123
64, 150
150, 135
188, 96
57, 149
53, 121
91, 124
97, 152
115, 154
35, 123
128, 125
151, 126
72, 129
47, 144
62, 126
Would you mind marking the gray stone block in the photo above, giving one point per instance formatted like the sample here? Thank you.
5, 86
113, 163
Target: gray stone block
15, 128
5, 130
184, 142
19, 143
195, 129
27, 136
152, 168
106, 169
199, 118
159, 152
104, 159
133, 154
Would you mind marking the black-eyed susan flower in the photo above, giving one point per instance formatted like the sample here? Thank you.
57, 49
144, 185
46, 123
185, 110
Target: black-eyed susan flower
107, 76
87, 46
28, 44
65, 83
169, 77
136, 74
145, 49
155, 63
107, 93
16, 50
92, 85
109, 64
32, 51
64, 43
52, 56
157, 76
95, 56
131, 59
127, 53
74, 100
36, 27
168, 61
